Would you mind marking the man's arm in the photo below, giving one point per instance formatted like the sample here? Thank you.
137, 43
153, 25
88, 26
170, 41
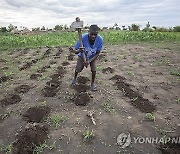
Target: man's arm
81, 49
93, 58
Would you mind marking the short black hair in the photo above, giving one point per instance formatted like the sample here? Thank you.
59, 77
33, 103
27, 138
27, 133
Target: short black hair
93, 29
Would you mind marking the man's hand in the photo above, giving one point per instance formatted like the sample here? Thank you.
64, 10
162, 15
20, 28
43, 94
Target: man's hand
86, 64
81, 49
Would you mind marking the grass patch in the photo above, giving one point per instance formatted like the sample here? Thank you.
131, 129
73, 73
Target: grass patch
56, 120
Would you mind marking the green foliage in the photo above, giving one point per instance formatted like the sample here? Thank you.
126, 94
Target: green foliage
11, 41
150, 117
134, 27
87, 135
58, 27
176, 29
3, 29
6, 149
40, 149
56, 120
175, 72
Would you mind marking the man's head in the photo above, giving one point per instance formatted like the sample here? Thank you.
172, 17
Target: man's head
93, 31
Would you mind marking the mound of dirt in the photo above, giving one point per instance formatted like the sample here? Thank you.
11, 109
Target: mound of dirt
170, 148
81, 88
108, 70
35, 76
54, 83
33, 135
36, 113
4, 78
43, 69
71, 57
10, 99
22, 89
144, 105
118, 78
48, 91
65, 63
46, 53
81, 99
82, 80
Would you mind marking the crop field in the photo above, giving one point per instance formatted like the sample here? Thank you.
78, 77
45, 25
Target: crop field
138, 81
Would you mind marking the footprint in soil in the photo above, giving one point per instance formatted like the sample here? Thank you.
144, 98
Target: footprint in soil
35, 76
33, 135
108, 70
36, 113
10, 99
22, 89
81, 99
144, 105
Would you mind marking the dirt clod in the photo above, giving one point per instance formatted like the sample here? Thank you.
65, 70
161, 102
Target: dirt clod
10, 99
170, 148
81, 99
33, 135
81, 88
35, 76
4, 79
22, 89
82, 80
144, 105
65, 63
36, 114
108, 70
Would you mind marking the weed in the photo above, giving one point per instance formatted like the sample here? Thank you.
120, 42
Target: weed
88, 135
56, 120
131, 74
43, 103
42, 78
40, 149
4, 116
178, 100
150, 117
175, 72
7, 149
107, 107
138, 58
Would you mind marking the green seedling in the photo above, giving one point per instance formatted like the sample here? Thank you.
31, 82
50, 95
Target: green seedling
6, 149
150, 117
131, 74
175, 72
88, 135
43, 103
178, 100
56, 120
107, 107
40, 149
138, 58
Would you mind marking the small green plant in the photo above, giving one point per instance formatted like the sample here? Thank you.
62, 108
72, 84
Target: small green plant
175, 72
150, 117
178, 100
42, 78
138, 58
88, 135
43, 103
131, 74
56, 120
107, 107
40, 149
6, 149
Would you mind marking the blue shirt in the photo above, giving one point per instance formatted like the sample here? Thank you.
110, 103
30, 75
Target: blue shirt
90, 50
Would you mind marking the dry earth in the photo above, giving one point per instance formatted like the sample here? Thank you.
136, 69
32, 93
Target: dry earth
132, 80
